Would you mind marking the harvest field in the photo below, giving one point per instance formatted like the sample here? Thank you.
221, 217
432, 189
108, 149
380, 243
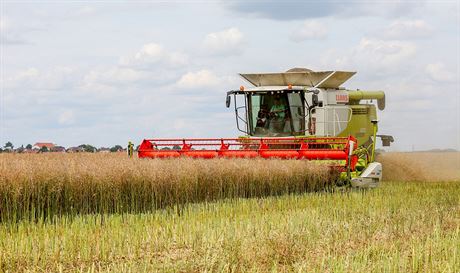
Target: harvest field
39, 187
90, 212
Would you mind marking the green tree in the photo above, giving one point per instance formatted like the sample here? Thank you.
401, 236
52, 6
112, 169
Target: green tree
29, 146
176, 147
9, 145
116, 148
88, 148
43, 149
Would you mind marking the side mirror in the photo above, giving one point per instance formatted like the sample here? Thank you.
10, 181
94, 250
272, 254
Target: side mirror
314, 99
381, 103
386, 140
228, 101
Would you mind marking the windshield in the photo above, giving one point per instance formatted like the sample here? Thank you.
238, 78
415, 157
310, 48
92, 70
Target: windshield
276, 114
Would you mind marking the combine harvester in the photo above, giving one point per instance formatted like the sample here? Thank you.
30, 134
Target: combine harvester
299, 114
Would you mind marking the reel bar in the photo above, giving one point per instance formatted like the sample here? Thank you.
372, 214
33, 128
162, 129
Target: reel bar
323, 148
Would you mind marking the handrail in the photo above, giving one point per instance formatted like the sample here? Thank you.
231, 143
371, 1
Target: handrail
335, 120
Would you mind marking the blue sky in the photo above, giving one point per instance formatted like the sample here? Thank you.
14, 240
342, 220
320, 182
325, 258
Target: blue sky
105, 72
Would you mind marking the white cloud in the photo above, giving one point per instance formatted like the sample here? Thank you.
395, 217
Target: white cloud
179, 124
373, 56
11, 33
67, 117
115, 75
84, 11
439, 72
118, 80
205, 79
294, 10
153, 54
105, 83
226, 42
3, 24
309, 30
407, 29
387, 52
199, 79
35, 79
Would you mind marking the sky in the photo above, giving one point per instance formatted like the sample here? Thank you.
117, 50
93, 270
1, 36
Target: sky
107, 72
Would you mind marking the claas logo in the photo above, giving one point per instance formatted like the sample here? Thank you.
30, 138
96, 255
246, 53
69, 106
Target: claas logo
341, 97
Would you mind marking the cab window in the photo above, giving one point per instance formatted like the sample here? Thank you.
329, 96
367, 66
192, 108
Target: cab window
276, 114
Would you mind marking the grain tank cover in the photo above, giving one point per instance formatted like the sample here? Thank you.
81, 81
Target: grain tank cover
321, 79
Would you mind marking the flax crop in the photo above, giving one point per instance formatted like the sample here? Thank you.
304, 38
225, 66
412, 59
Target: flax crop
42, 186
421, 166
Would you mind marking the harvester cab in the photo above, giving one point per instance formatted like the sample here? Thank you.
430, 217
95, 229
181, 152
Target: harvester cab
312, 104
298, 114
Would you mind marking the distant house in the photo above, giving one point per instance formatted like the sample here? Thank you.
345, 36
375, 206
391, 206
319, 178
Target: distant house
58, 149
8, 150
19, 150
75, 149
104, 150
40, 145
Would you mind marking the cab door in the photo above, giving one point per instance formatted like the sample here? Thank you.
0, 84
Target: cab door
296, 115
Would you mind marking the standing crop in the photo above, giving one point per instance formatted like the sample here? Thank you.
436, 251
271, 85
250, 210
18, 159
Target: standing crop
43, 186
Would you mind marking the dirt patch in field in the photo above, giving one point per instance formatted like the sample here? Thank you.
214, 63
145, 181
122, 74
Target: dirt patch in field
420, 166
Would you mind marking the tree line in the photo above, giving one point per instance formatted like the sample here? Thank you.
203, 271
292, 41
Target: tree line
9, 147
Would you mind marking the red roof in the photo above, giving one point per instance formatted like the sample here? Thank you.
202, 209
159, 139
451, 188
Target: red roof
44, 144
